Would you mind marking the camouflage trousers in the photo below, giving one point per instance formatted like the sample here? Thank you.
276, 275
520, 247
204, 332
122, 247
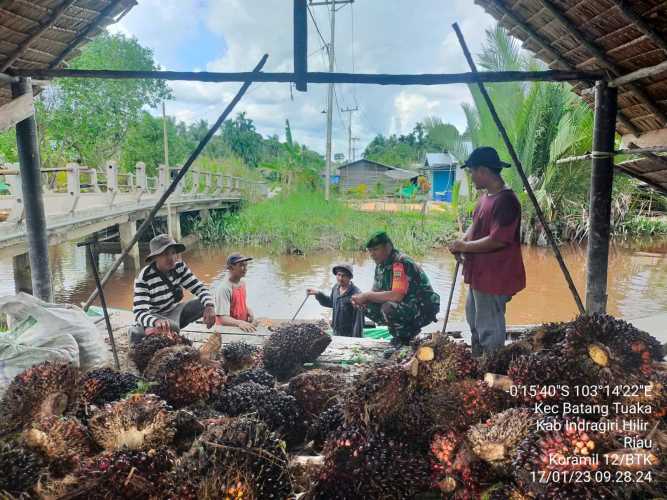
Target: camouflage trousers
404, 319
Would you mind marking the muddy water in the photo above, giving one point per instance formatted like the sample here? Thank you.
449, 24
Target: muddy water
277, 284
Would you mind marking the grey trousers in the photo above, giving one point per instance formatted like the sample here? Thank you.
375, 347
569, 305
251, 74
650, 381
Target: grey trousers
180, 316
485, 314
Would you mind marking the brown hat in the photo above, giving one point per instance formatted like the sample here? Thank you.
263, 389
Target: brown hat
160, 243
343, 267
236, 258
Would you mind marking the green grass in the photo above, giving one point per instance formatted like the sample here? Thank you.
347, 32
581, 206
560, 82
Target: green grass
305, 222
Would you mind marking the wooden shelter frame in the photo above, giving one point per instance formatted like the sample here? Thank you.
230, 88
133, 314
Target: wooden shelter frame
605, 83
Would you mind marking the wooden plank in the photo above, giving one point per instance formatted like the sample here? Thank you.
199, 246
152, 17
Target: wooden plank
16, 111
318, 77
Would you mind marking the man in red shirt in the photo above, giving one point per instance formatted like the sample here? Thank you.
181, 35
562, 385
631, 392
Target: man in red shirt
491, 249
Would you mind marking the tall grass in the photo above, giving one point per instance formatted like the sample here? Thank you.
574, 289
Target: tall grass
305, 222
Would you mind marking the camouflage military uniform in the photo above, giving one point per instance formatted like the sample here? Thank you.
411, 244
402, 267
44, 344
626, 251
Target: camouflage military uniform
419, 306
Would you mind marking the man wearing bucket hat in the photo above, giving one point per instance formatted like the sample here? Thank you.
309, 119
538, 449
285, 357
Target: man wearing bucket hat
491, 247
158, 292
347, 321
402, 297
231, 305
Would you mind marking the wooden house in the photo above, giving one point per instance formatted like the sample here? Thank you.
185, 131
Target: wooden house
375, 175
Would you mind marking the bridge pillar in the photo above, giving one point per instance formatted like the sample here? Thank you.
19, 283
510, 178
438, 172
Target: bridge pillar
127, 231
22, 274
204, 214
174, 224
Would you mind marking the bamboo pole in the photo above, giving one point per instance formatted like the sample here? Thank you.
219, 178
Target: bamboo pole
172, 187
522, 174
317, 77
627, 151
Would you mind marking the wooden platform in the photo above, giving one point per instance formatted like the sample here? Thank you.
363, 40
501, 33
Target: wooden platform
342, 353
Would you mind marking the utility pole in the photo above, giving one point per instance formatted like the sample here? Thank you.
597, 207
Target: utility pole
165, 137
349, 129
354, 149
331, 51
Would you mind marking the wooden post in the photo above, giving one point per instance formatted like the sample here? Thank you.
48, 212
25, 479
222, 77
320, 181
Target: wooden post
31, 185
602, 178
300, 45
22, 275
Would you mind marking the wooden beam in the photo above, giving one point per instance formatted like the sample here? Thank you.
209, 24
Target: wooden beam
602, 179
640, 73
300, 44
546, 45
31, 186
107, 11
635, 175
317, 77
630, 151
642, 25
603, 59
16, 111
50, 21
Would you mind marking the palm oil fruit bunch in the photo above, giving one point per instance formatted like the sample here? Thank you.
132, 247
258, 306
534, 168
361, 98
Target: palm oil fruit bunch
183, 377
545, 337
563, 451
280, 411
441, 360
62, 441
496, 441
257, 375
363, 464
315, 391
141, 422
293, 344
21, 468
121, 475
461, 404
456, 470
500, 360
324, 424
605, 337
377, 395
246, 447
142, 352
105, 385
539, 370
43, 390
238, 356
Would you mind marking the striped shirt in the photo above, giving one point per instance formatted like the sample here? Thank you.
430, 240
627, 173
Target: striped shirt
152, 296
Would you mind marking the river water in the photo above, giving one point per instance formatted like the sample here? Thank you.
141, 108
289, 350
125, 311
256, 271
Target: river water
277, 283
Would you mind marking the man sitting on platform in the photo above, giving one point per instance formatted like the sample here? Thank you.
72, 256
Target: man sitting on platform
230, 296
158, 292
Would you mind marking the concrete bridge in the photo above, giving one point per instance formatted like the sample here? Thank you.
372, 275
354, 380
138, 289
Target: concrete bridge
80, 201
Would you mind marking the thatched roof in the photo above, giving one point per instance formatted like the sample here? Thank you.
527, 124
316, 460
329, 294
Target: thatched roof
46, 33
615, 36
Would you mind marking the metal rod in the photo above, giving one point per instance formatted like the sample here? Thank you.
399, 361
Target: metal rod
628, 151
300, 307
103, 302
522, 174
31, 187
318, 77
451, 295
172, 187
602, 179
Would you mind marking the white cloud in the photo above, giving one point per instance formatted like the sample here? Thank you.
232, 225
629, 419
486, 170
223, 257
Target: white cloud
390, 36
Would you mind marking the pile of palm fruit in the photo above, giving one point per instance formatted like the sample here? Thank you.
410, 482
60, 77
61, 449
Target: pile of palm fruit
246, 422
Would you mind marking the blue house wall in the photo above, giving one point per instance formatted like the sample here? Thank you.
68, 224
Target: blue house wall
443, 183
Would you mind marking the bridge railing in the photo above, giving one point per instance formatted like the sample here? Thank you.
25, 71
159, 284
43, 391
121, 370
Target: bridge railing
65, 187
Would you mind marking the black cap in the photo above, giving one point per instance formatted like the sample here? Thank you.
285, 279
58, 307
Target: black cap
485, 157
378, 238
236, 258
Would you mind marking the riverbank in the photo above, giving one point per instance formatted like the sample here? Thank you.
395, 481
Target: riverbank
303, 222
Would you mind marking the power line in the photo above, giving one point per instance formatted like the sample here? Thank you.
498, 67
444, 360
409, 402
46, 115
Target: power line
316, 26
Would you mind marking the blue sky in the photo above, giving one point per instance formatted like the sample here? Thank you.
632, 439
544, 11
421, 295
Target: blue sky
389, 36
